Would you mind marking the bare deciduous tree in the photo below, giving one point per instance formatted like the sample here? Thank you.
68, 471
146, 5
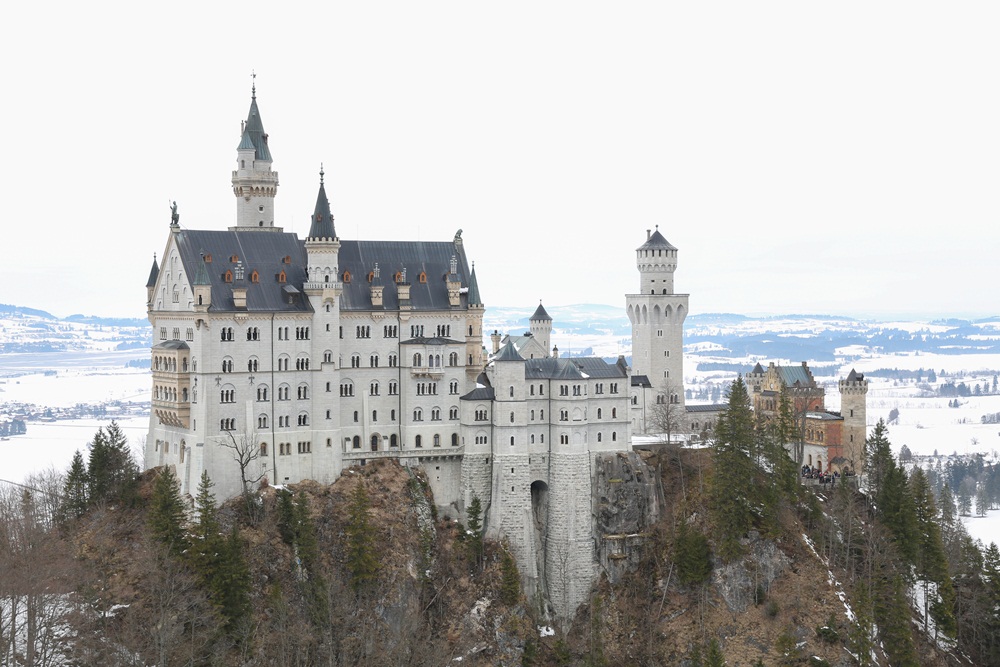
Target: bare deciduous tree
246, 451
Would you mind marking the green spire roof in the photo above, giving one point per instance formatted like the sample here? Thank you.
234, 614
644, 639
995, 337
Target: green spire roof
474, 298
154, 273
322, 220
254, 132
201, 277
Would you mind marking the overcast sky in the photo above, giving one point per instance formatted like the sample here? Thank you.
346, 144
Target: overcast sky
804, 157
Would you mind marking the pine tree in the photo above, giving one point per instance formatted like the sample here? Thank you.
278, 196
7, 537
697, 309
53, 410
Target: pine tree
894, 625
286, 517
878, 458
692, 555
510, 579
895, 507
733, 480
475, 515
166, 516
75, 499
931, 563
231, 581
714, 657
861, 636
362, 555
112, 471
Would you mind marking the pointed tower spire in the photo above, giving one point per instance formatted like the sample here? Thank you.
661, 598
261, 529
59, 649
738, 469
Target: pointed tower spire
254, 184
154, 273
474, 298
322, 219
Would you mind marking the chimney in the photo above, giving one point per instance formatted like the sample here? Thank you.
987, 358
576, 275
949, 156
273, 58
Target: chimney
649, 232
555, 351
496, 341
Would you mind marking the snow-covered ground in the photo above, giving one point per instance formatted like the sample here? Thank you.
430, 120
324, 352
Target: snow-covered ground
70, 386
52, 444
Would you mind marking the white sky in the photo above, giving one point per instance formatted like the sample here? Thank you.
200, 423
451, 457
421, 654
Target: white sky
804, 157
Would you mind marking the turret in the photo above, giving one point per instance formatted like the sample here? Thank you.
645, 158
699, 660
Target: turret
322, 249
202, 287
854, 408
254, 184
154, 273
657, 261
540, 325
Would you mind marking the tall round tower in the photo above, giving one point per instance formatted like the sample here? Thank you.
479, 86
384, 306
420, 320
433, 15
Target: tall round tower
657, 316
853, 407
254, 184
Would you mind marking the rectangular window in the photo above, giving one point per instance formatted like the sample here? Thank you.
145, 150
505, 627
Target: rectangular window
189, 334
163, 333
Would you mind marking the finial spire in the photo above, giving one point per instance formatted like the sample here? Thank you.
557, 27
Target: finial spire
253, 88
321, 173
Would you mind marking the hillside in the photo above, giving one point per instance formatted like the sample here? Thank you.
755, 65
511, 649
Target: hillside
123, 597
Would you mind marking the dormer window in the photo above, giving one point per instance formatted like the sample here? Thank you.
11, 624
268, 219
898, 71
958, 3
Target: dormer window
347, 276
288, 259
255, 277
398, 278
228, 276
282, 277
234, 259
208, 259
423, 277
371, 276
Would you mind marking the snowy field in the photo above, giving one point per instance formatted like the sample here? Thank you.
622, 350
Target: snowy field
52, 444
70, 386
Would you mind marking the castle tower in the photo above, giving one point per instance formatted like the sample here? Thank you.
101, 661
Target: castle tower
853, 407
254, 184
509, 513
474, 328
657, 316
540, 325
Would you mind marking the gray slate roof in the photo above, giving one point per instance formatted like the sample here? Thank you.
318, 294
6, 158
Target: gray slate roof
263, 252
473, 297
712, 407
154, 273
576, 368
641, 381
508, 353
431, 257
540, 315
322, 219
479, 394
431, 341
656, 240
172, 345
792, 374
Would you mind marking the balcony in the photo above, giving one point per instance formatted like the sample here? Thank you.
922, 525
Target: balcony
427, 371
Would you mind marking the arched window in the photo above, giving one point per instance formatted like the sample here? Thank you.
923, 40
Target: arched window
393, 441
356, 442
417, 359
417, 441
374, 443
454, 439
437, 440
263, 449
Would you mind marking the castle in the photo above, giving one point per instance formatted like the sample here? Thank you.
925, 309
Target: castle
282, 359
827, 440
